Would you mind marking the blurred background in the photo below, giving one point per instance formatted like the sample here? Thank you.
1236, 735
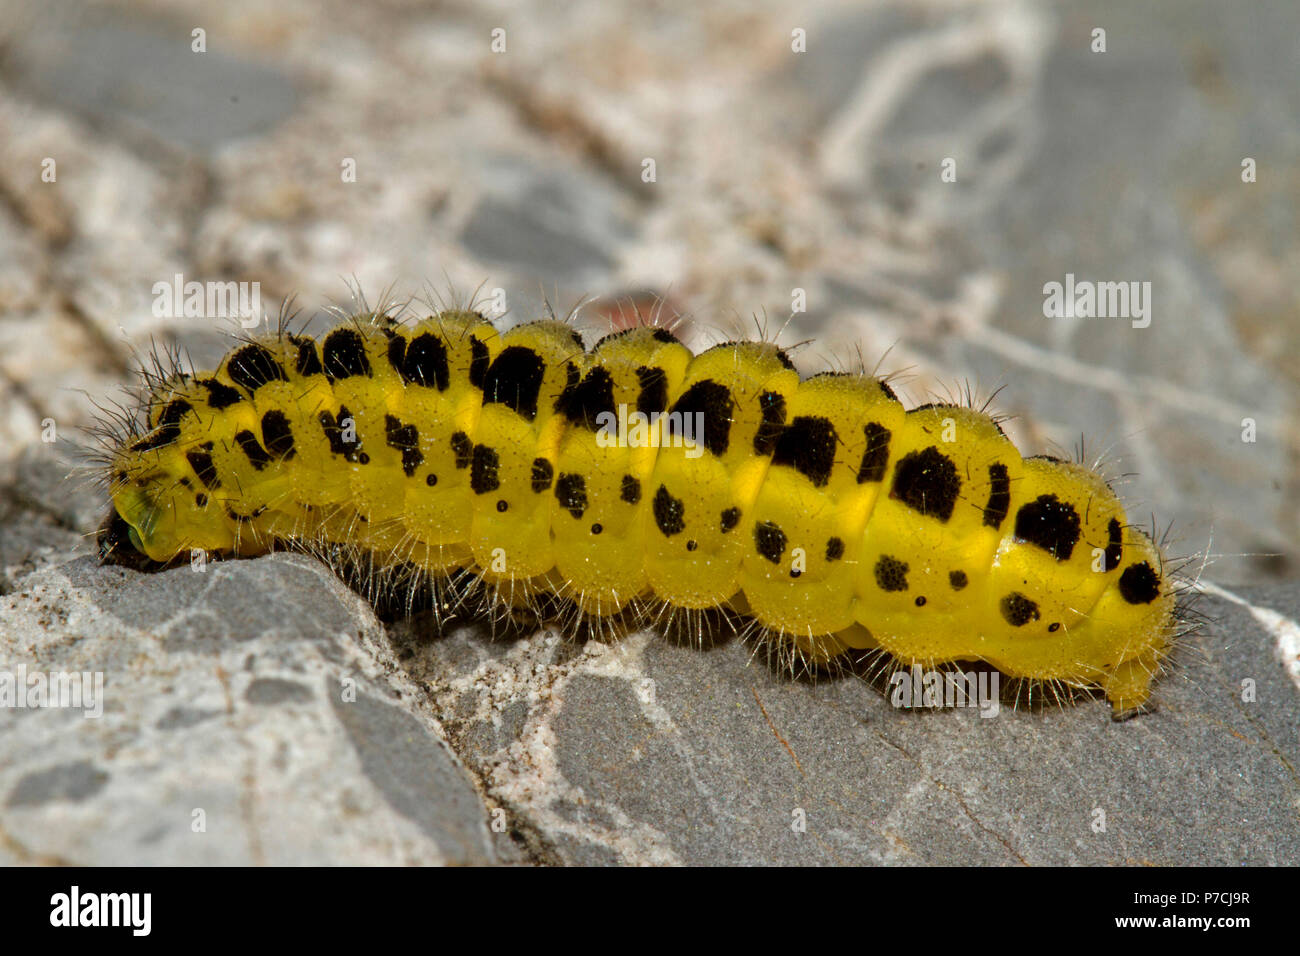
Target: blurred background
897, 180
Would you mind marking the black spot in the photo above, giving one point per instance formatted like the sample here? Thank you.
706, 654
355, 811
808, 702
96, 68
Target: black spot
1049, 523
220, 395
834, 549
1053, 627
1139, 584
308, 361
334, 429
163, 435
406, 439
730, 518
430, 479
926, 481
1115, 547
571, 492
479, 359
572, 379
253, 366
344, 355
807, 445
173, 410
999, 496
769, 539
958, 580
609, 337
669, 512
257, 456
795, 572
1018, 610
463, 448
713, 404
593, 396
772, 407
596, 528
168, 426
201, 462
277, 435
201, 500
363, 458
543, 475
483, 470
658, 334
920, 600
692, 545
396, 352
631, 491
426, 362
503, 505
653, 396
891, 574
876, 455
514, 379
233, 515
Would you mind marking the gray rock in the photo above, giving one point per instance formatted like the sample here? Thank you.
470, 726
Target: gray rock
68, 781
251, 713
643, 751
92, 64
648, 752
545, 223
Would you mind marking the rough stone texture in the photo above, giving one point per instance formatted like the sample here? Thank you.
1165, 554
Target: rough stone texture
650, 752
774, 171
263, 694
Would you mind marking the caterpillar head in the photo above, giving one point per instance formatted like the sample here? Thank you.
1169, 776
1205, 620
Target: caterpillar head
120, 543
160, 507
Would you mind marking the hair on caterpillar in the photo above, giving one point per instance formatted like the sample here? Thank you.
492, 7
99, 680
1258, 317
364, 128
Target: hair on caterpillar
462, 434
700, 628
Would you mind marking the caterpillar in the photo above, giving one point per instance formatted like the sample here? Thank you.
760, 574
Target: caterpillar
820, 509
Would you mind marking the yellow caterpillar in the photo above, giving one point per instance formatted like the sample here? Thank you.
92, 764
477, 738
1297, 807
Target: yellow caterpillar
822, 509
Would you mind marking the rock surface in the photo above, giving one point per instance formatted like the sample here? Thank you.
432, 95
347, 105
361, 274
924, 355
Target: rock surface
774, 171
648, 752
263, 699
251, 712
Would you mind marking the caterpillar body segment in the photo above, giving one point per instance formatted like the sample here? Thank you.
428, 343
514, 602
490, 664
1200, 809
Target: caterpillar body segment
636, 476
